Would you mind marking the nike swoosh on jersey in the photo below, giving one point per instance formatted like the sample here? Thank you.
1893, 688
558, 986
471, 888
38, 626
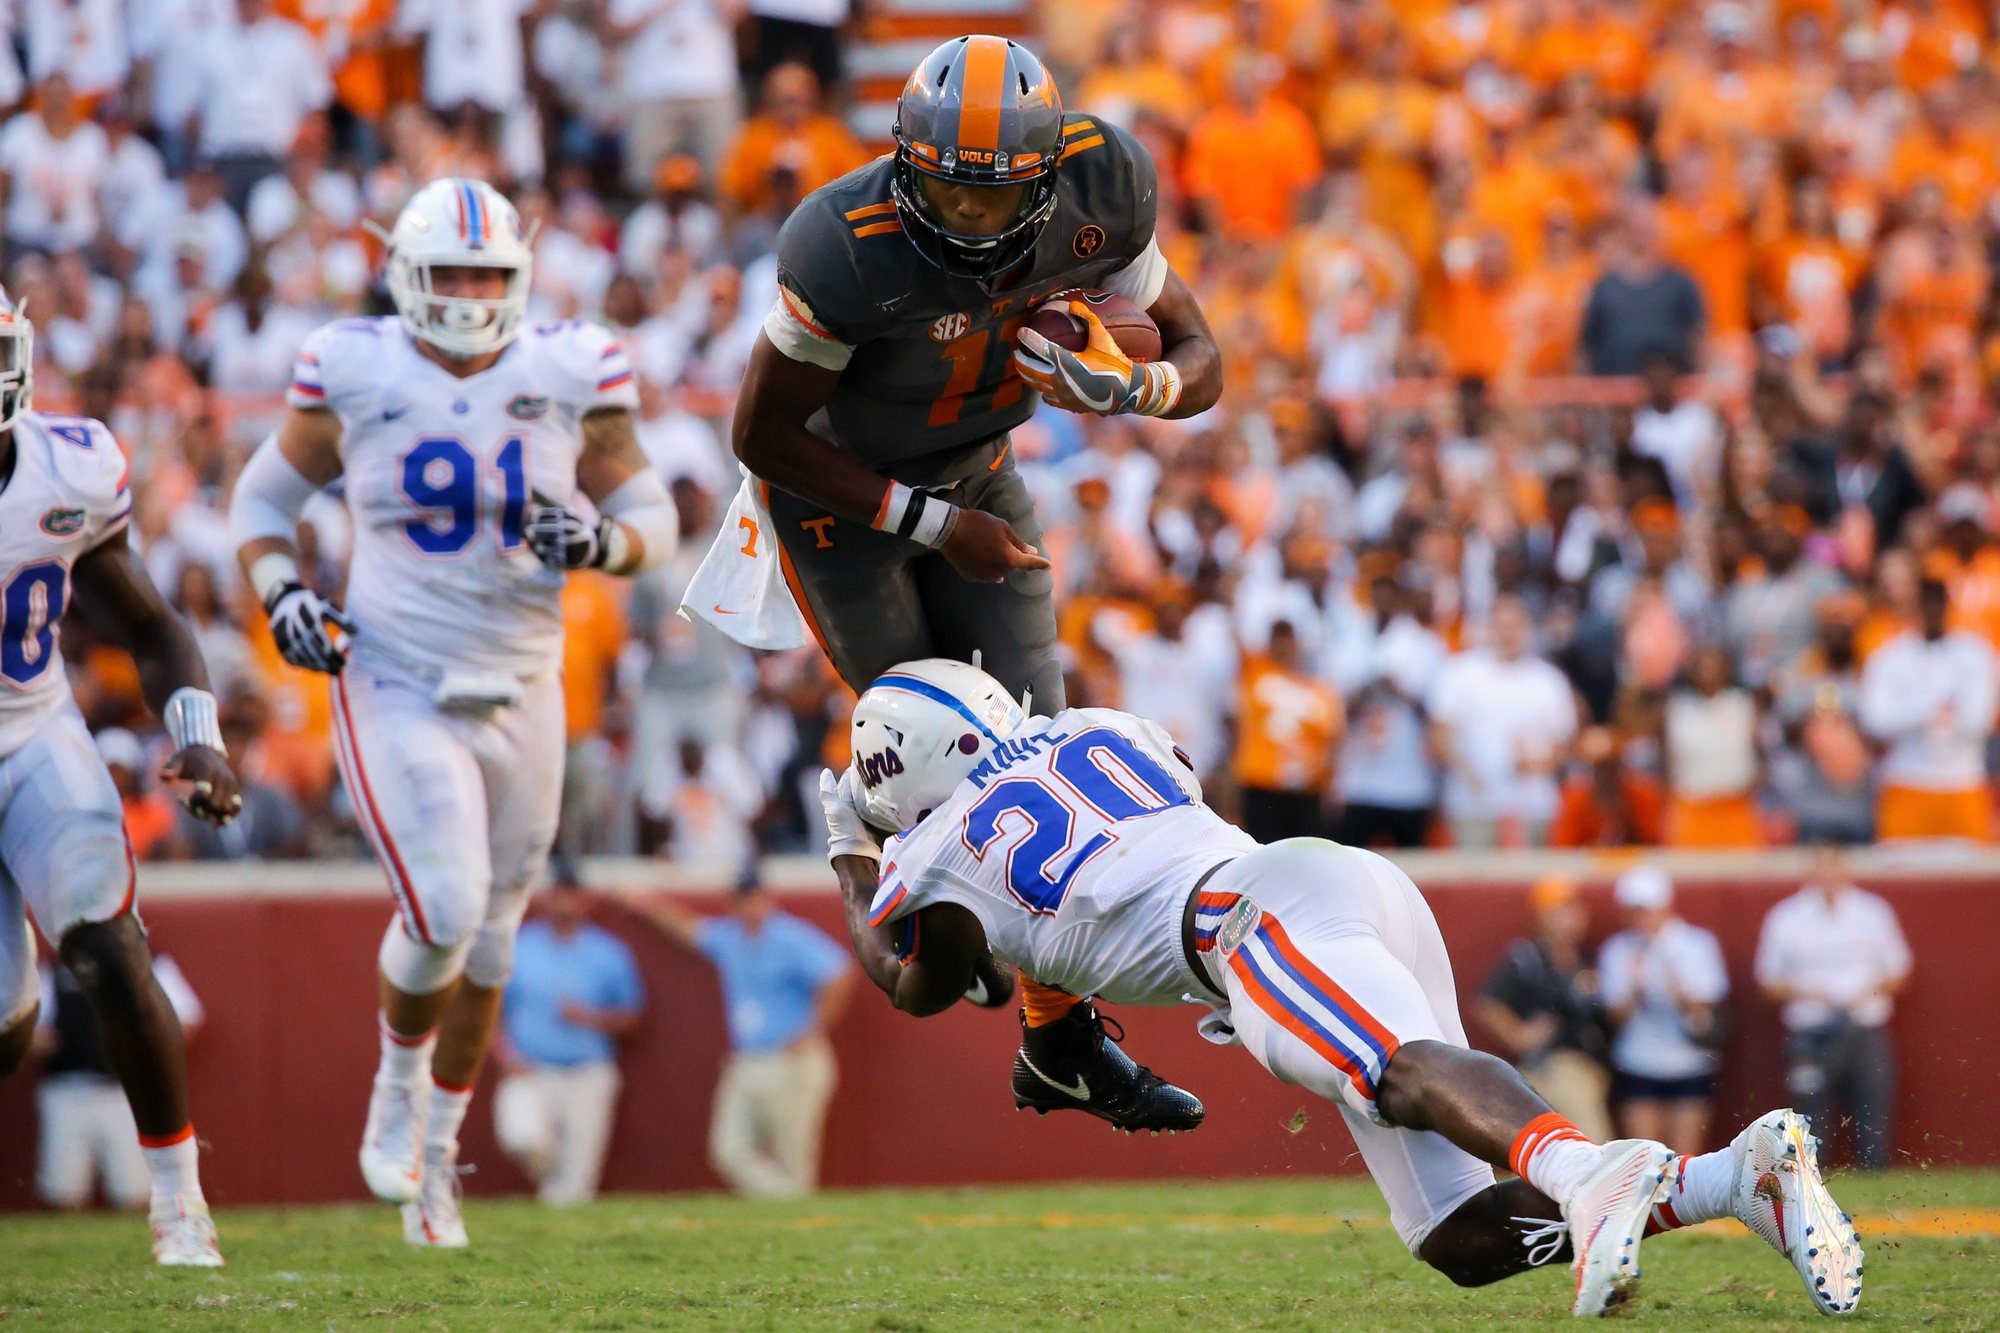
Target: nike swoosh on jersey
1081, 1091
720, 612
391, 413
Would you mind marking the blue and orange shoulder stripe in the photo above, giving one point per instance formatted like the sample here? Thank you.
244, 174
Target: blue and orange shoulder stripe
614, 370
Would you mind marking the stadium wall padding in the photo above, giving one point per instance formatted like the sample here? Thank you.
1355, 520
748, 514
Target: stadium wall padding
280, 1073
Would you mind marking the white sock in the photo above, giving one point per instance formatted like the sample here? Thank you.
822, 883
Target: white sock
175, 1168
1698, 1191
448, 1107
405, 1059
1554, 1156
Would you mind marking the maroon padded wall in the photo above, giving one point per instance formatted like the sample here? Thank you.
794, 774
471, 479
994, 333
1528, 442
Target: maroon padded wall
280, 1074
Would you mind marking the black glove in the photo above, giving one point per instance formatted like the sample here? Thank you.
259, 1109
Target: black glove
562, 539
311, 632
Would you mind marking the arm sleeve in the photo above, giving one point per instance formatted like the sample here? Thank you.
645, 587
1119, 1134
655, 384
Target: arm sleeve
1142, 280
794, 330
270, 496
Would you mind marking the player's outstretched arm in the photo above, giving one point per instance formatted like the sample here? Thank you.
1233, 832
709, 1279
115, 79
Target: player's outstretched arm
117, 597
639, 526
770, 438
280, 478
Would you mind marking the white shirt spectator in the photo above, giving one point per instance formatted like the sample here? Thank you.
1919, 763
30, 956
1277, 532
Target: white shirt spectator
1501, 714
275, 208
824, 13
1185, 684
51, 183
84, 39
1385, 759
472, 51
257, 360
680, 444
1711, 743
170, 35
711, 811
684, 51
1688, 443
1680, 960
1934, 703
651, 231
1838, 958
130, 183
257, 85
214, 229
571, 275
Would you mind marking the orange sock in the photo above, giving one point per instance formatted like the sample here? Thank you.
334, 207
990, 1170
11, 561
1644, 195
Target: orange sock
1044, 1004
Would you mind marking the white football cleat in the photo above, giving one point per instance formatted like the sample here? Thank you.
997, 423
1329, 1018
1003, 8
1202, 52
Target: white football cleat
392, 1146
434, 1220
184, 1235
1607, 1219
1779, 1195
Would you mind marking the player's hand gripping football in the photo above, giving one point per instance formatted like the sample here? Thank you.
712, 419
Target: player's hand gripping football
562, 538
213, 792
1100, 378
310, 631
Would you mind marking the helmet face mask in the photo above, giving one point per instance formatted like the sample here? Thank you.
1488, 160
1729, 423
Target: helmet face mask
459, 224
979, 111
17, 362
919, 730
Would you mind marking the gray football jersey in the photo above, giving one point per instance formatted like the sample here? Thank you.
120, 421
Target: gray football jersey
933, 369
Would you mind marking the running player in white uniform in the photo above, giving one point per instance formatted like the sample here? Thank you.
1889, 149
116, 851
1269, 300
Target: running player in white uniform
64, 856
1076, 847
464, 439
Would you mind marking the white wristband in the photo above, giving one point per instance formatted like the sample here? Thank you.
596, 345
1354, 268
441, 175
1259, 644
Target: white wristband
190, 719
272, 571
895, 506
935, 523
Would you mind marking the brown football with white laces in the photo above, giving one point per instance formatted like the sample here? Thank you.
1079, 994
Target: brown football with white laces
1132, 328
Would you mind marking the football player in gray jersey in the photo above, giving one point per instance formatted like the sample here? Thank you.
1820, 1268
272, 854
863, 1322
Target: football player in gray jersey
877, 404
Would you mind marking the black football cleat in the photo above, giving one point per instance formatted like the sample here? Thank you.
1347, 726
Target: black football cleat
1073, 1064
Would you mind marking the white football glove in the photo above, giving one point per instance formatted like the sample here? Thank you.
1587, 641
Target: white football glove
847, 833
562, 539
310, 631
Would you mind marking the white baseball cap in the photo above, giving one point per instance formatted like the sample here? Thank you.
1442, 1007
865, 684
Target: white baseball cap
119, 748
1644, 888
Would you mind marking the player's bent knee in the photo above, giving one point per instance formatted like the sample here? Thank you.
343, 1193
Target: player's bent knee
416, 968
490, 961
108, 958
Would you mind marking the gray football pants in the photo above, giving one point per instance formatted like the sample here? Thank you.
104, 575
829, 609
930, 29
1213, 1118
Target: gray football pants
876, 599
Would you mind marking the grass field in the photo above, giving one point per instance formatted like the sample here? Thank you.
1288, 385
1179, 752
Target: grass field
1305, 1254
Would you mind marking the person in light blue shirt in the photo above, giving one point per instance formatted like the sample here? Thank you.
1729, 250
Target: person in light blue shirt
784, 981
574, 994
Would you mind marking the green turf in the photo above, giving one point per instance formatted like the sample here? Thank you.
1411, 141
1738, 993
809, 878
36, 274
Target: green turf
1294, 1254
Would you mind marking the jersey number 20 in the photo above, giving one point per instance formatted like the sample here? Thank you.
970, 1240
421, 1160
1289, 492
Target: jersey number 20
1101, 777
440, 476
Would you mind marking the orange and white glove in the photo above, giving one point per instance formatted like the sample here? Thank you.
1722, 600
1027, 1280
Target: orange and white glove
1100, 378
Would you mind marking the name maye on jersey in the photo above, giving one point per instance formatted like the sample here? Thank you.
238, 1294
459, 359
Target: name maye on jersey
1076, 842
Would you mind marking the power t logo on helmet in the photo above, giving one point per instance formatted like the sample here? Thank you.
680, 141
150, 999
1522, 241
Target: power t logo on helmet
981, 112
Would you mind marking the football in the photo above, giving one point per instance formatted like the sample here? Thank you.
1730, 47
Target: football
1138, 337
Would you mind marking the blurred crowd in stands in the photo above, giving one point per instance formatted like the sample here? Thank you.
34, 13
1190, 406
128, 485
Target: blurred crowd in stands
1611, 451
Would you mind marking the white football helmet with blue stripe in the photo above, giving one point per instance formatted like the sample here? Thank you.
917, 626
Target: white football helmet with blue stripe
918, 730
17, 362
456, 223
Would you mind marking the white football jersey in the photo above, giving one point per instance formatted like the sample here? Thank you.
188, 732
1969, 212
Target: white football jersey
68, 494
1076, 844
439, 472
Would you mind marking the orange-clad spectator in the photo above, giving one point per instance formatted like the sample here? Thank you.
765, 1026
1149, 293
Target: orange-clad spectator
1289, 724
354, 37
1510, 191
1930, 43
1132, 78
1928, 695
1967, 560
1594, 155
789, 133
1250, 159
1731, 100
1382, 123
1705, 230
150, 815
1809, 276
1547, 311
1593, 40
594, 624
1943, 151
1892, 608
1932, 279
1475, 295
1607, 803
1710, 745
1450, 43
